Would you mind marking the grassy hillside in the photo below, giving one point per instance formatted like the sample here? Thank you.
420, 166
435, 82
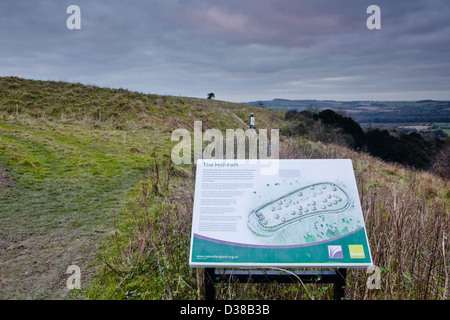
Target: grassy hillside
86, 180
72, 154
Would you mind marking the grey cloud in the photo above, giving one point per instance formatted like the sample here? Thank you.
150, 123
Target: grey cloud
241, 50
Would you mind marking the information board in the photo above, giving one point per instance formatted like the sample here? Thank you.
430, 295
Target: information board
280, 213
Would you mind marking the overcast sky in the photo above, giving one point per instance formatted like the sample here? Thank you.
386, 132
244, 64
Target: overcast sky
242, 50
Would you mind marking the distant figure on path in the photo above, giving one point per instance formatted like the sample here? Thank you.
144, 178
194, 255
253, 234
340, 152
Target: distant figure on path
252, 121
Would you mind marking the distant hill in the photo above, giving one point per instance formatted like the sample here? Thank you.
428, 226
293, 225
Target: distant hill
371, 111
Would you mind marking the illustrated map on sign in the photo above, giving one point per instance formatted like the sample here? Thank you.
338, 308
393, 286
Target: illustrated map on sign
309, 201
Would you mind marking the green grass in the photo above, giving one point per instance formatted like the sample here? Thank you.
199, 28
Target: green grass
86, 191
146, 258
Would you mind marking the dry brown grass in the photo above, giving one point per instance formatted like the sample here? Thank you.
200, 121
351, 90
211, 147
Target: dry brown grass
407, 219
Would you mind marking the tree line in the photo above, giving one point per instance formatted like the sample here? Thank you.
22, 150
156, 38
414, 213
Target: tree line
411, 149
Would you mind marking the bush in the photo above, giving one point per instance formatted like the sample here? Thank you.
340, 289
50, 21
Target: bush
328, 126
347, 124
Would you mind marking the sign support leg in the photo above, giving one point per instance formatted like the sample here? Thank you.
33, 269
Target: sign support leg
210, 290
339, 285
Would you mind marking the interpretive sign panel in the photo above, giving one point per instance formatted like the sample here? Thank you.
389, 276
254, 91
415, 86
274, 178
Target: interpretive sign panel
280, 213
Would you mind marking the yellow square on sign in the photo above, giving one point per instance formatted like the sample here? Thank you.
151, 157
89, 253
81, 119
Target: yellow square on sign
356, 251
